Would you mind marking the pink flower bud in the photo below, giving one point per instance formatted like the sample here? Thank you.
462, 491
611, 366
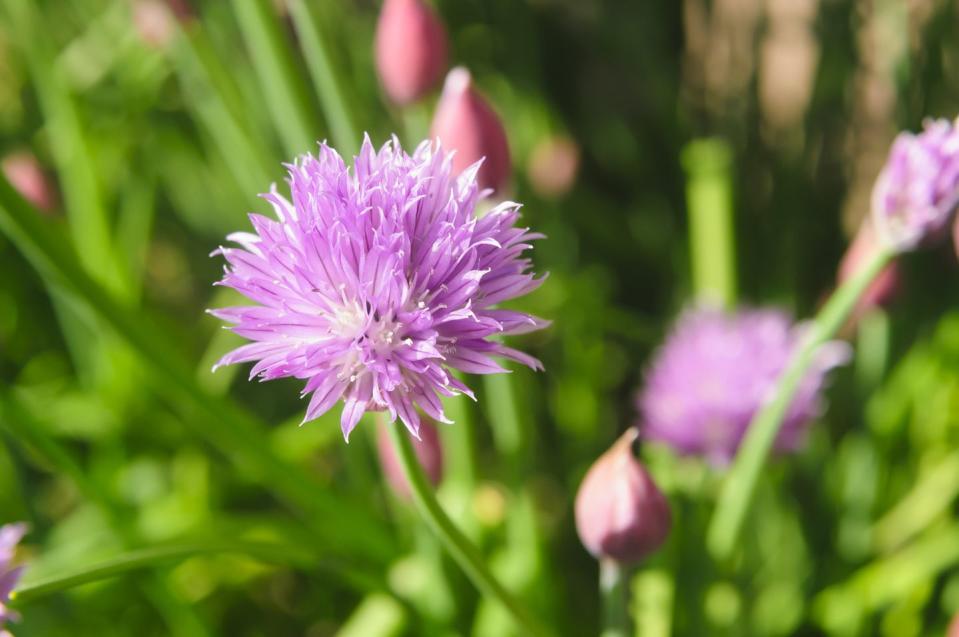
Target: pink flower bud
620, 512
886, 284
154, 20
553, 165
953, 630
25, 174
429, 451
410, 49
465, 122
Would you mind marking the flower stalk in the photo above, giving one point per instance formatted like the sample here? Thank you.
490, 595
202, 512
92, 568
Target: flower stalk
614, 588
740, 486
459, 546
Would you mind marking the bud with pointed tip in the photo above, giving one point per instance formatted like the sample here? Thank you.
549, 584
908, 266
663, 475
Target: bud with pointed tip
25, 174
620, 512
465, 122
860, 252
429, 451
410, 50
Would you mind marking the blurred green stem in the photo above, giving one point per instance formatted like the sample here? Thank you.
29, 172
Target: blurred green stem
463, 551
149, 557
328, 87
740, 485
712, 250
285, 94
614, 589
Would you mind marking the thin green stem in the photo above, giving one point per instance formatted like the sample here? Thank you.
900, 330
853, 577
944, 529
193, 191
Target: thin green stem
285, 94
463, 551
328, 86
614, 589
740, 486
149, 557
712, 249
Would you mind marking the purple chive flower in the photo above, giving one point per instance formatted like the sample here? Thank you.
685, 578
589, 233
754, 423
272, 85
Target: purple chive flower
10, 536
376, 283
717, 369
917, 191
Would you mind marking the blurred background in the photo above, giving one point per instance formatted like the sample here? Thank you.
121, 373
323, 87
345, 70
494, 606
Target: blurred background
143, 130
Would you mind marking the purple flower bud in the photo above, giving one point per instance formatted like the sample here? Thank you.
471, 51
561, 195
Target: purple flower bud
25, 174
620, 512
886, 284
465, 122
717, 369
10, 536
410, 49
917, 191
429, 451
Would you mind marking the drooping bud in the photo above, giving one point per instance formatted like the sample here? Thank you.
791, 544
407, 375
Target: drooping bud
916, 193
860, 252
410, 49
620, 512
25, 174
10, 536
553, 165
429, 451
466, 123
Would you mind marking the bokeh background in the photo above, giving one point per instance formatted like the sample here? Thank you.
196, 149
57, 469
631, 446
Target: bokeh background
151, 133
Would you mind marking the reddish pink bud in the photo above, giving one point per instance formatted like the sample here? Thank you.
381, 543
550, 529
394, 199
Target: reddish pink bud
429, 451
553, 165
155, 20
953, 630
466, 123
620, 512
410, 49
25, 174
886, 284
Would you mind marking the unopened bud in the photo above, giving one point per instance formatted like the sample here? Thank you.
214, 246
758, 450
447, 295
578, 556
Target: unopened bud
25, 174
429, 451
553, 165
466, 123
410, 49
620, 512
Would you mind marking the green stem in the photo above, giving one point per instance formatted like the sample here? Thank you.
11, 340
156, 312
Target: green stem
145, 558
740, 485
463, 551
614, 589
325, 80
285, 94
708, 165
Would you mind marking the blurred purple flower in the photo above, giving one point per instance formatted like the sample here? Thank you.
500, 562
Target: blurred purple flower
717, 369
375, 284
917, 191
620, 512
10, 536
410, 50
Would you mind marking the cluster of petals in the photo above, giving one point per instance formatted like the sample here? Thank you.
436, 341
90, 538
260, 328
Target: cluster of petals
10, 536
377, 282
717, 369
916, 193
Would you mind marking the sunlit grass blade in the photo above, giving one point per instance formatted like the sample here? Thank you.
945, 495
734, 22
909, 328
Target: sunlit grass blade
225, 425
286, 95
326, 80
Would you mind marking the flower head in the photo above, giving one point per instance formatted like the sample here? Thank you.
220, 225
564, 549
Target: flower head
620, 512
410, 49
10, 536
717, 369
375, 284
917, 191
465, 122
